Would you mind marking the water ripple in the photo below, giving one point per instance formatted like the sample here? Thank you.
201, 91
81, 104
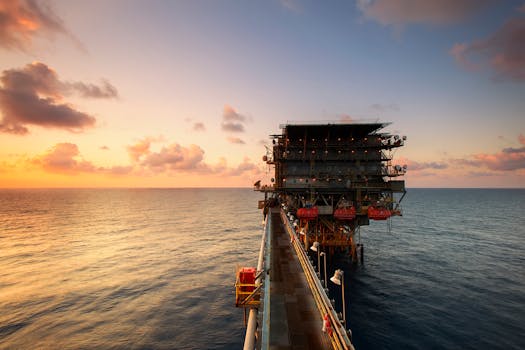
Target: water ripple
121, 269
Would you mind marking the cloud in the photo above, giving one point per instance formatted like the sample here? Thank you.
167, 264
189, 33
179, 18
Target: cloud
33, 95
139, 149
174, 157
230, 114
418, 166
22, 20
465, 162
398, 13
232, 121
503, 52
118, 170
106, 90
428, 165
236, 140
232, 127
245, 167
513, 150
64, 158
104, 148
508, 159
10, 166
199, 126
481, 173
459, 52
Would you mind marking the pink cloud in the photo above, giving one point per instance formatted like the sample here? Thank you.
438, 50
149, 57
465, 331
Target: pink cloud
508, 159
232, 121
413, 165
503, 52
459, 52
118, 170
232, 127
106, 90
245, 167
33, 95
402, 12
230, 114
236, 140
174, 157
481, 173
427, 165
64, 158
139, 149
22, 20
199, 126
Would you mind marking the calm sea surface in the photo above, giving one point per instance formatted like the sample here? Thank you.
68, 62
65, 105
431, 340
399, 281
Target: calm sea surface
154, 269
449, 275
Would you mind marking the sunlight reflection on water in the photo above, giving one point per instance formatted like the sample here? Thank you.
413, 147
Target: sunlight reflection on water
124, 268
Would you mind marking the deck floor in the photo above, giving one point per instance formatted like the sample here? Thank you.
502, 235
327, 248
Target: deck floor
295, 322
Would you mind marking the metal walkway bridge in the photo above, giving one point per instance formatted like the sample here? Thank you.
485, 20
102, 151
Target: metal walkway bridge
295, 311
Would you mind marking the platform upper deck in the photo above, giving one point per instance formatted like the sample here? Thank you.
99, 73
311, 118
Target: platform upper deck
338, 157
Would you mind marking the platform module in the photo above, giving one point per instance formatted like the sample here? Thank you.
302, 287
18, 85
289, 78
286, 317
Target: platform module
333, 178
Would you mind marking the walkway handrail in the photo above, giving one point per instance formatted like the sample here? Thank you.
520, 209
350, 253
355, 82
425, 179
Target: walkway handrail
251, 328
339, 337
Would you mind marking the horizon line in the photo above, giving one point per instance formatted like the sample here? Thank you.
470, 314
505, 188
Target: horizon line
227, 187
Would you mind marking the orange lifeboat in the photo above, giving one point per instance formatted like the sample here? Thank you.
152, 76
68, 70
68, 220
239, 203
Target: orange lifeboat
308, 213
379, 213
345, 213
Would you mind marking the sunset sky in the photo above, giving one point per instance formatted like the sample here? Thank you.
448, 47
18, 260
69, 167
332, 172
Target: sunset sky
185, 93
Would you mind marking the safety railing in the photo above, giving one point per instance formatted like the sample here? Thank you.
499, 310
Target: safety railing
263, 264
265, 331
338, 337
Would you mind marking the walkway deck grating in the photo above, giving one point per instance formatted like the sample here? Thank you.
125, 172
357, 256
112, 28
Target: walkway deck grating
295, 322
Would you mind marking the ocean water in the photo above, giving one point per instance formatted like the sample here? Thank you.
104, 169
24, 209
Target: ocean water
124, 268
450, 274
154, 269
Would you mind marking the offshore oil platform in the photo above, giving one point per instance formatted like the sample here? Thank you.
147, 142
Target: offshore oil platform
330, 179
